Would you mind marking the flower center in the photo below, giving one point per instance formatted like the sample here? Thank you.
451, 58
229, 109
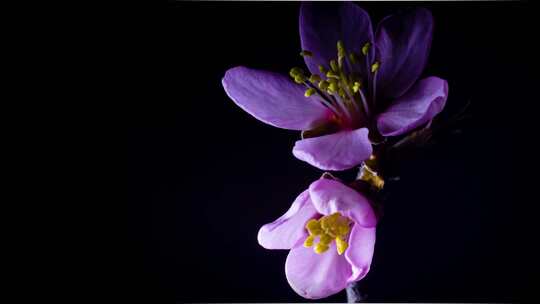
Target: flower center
327, 229
341, 87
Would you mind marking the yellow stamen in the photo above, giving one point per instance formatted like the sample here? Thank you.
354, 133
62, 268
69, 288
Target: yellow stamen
322, 69
323, 85
375, 67
365, 48
333, 227
299, 79
306, 53
356, 86
331, 74
371, 177
353, 58
309, 241
296, 71
309, 92
332, 87
321, 248
334, 66
314, 78
341, 245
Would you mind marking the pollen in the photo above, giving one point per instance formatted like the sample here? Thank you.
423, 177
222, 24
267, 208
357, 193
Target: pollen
327, 229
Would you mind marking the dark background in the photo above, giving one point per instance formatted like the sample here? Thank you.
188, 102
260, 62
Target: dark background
203, 175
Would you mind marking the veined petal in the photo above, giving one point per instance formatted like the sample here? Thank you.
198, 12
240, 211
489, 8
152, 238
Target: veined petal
360, 251
338, 151
418, 106
274, 99
403, 42
322, 25
330, 196
316, 276
287, 230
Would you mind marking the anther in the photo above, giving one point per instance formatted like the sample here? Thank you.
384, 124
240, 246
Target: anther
323, 85
299, 79
341, 93
341, 49
320, 248
356, 86
309, 241
341, 245
332, 87
365, 48
296, 71
353, 58
375, 67
309, 92
314, 78
322, 69
333, 65
306, 53
332, 74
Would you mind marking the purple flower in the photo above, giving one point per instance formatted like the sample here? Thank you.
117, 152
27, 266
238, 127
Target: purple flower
361, 83
330, 231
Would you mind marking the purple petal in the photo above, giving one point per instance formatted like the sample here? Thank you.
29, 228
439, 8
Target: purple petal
274, 99
403, 42
322, 25
418, 106
338, 151
330, 196
360, 251
287, 230
316, 276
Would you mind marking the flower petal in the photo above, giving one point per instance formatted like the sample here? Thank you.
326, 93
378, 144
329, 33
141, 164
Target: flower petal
418, 106
403, 42
274, 99
316, 276
360, 251
338, 151
287, 230
322, 25
330, 196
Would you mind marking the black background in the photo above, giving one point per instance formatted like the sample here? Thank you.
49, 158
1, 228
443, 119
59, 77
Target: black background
203, 175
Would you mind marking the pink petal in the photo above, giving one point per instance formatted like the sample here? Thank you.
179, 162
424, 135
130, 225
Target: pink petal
316, 276
418, 106
338, 151
289, 229
329, 196
360, 251
274, 99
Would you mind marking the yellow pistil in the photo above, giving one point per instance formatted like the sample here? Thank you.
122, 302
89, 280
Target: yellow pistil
334, 227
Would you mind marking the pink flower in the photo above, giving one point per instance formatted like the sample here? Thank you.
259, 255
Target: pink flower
330, 231
361, 82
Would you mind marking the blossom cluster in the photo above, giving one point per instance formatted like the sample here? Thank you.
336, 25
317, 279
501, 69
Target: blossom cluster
362, 87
